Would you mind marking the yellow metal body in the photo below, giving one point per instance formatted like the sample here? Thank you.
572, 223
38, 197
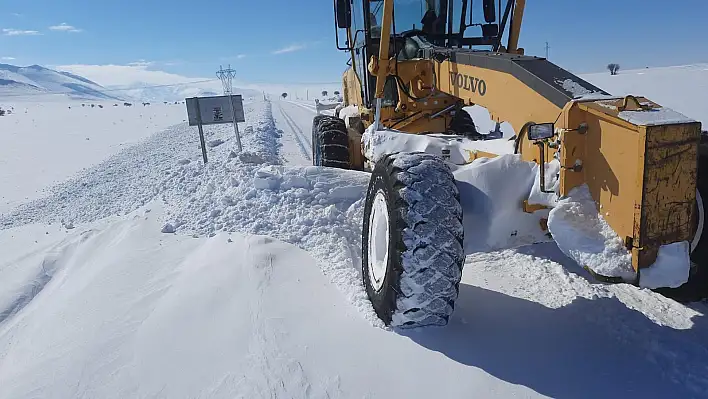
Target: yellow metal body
642, 178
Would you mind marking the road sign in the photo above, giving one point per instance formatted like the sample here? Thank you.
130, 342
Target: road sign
215, 110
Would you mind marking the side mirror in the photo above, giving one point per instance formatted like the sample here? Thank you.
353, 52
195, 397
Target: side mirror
490, 30
490, 14
541, 131
343, 12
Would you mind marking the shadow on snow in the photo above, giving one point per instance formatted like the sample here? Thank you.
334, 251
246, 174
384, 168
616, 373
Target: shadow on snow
587, 349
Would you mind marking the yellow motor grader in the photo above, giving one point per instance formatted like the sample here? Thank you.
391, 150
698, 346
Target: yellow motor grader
414, 67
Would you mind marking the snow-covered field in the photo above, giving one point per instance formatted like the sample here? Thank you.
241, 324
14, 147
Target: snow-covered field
683, 88
46, 142
148, 274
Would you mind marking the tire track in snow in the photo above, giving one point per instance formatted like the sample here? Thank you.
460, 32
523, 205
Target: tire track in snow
300, 137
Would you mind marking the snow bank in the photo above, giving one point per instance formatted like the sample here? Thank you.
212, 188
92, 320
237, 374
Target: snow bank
318, 209
584, 236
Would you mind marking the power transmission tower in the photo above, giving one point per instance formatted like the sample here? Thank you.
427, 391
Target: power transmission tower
227, 75
548, 48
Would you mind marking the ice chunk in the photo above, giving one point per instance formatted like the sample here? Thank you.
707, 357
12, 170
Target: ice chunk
295, 182
215, 143
670, 268
168, 228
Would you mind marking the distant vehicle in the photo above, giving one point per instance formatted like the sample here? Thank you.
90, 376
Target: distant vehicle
128, 104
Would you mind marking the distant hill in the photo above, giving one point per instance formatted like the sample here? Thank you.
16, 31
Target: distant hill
35, 80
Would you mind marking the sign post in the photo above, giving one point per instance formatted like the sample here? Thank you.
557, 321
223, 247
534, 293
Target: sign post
201, 130
238, 136
215, 110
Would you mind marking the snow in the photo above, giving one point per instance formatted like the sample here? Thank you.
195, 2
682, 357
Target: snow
486, 125
583, 235
18, 82
670, 269
346, 112
681, 88
552, 180
258, 293
492, 214
50, 141
658, 116
462, 150
297, 131
576, 89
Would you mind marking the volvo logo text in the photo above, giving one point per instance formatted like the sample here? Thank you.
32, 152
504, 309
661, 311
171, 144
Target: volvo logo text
468, 83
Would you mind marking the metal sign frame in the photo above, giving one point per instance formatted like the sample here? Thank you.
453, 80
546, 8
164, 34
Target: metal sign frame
195, 106
218, 106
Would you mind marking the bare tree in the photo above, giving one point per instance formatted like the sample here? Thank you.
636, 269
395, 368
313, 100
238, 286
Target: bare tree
613, 68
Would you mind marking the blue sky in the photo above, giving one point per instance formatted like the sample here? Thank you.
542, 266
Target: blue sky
286, 41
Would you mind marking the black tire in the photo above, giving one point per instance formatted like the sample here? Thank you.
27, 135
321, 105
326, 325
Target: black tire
696, 288
425, 240
330, 142
463, 125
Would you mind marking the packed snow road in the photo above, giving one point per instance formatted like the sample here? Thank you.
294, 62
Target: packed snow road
297, 132
151, 275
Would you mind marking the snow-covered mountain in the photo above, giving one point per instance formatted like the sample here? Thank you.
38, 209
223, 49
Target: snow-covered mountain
37, 80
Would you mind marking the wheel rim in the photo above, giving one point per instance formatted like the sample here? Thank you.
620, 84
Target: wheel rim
378, 241
701, 221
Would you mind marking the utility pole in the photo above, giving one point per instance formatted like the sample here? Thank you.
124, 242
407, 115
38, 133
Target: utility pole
548, 48
226, 76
